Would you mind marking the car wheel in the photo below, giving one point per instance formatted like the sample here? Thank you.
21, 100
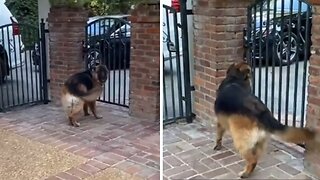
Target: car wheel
285, 56
93, 58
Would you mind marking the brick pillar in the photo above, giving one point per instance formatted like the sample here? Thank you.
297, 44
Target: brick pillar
312, 158
145, 62
218, 42
67, 31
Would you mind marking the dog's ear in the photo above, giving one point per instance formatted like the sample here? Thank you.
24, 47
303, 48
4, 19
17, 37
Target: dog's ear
231, 68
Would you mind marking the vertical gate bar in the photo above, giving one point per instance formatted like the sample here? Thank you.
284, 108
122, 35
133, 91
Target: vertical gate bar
288, 57
108, 45
295, 94
44, 62
102, 51
16, 68
306, 53
125, 66
40, 70
274, 33
26, 73
267, 58
119, 63
32, 76
280, 62
11, 73
21, 74
38, 81
185, 47
165, 95
171, 68
5, 57
254, 39
114, 66
260, 49
5, 54
177, 44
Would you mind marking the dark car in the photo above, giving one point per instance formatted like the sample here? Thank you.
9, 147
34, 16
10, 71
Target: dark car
283, 46
108, 42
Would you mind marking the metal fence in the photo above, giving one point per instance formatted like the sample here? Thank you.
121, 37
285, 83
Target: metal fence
278, 44
23, 65
108, 42
176, 81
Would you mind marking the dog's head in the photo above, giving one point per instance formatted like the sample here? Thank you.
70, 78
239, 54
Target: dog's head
240, 70
101, 72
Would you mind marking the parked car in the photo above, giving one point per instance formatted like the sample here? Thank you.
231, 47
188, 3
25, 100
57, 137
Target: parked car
108, 42
11, 45
277, 37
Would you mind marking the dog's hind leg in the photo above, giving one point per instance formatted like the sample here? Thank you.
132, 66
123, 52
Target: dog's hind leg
252, 156
249, 141
85, 109
73, 122
92, 106
220, 132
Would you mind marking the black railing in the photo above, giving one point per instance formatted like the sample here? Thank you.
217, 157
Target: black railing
23, 65
277, 39
176, 68
108, 42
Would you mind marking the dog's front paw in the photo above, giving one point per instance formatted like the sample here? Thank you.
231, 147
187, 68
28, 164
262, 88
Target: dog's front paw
217, 147
98, 117
74, 123
244, 174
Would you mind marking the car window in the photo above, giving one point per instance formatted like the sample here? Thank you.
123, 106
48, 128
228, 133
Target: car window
100, 27
286, 6
5, 14
124, 30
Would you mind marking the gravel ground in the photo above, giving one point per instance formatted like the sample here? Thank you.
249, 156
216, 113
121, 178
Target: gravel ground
114, 174
21, 158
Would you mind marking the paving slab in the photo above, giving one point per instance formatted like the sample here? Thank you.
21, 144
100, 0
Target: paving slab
188, 154
115, 143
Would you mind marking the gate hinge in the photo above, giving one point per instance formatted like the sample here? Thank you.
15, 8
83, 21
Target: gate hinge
192, 88
189, 12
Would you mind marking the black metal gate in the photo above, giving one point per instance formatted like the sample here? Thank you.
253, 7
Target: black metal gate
23, 65
108, 42
176, 69
278, 44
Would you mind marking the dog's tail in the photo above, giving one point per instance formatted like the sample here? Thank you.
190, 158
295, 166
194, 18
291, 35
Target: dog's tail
286, 133
295, 135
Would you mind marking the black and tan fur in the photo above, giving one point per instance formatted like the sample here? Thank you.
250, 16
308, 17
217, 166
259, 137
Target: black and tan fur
248, 119
81, 91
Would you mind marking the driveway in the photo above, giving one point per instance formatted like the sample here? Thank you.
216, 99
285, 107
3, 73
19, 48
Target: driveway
119, 144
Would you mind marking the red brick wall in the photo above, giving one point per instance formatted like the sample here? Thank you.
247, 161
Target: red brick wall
145, 62
312, 162
218, 42
67, 30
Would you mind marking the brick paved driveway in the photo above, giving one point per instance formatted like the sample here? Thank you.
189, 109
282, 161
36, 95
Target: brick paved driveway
188, 154
117, 140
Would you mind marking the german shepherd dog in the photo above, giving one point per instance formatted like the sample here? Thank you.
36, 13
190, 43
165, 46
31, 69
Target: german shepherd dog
81, 91
248, 119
